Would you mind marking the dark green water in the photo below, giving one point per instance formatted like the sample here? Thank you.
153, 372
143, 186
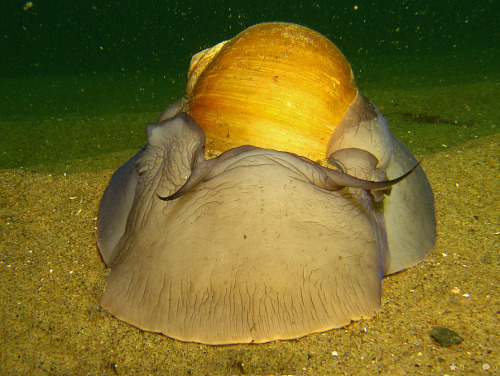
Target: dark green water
79, 80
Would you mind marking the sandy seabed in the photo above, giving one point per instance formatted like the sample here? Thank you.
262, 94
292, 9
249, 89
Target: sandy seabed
52, 277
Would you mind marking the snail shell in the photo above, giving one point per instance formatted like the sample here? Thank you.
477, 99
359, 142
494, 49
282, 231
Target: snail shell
275, 85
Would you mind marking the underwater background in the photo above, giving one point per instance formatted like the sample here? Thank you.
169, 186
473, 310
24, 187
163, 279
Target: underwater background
83, 78
80, 80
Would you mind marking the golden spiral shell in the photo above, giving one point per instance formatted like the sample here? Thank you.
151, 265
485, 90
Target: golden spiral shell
275, 85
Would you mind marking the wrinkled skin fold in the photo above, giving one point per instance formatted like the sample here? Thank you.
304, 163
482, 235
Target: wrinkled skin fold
252, 246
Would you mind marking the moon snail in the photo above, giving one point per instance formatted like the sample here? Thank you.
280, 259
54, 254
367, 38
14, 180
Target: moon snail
268, 203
